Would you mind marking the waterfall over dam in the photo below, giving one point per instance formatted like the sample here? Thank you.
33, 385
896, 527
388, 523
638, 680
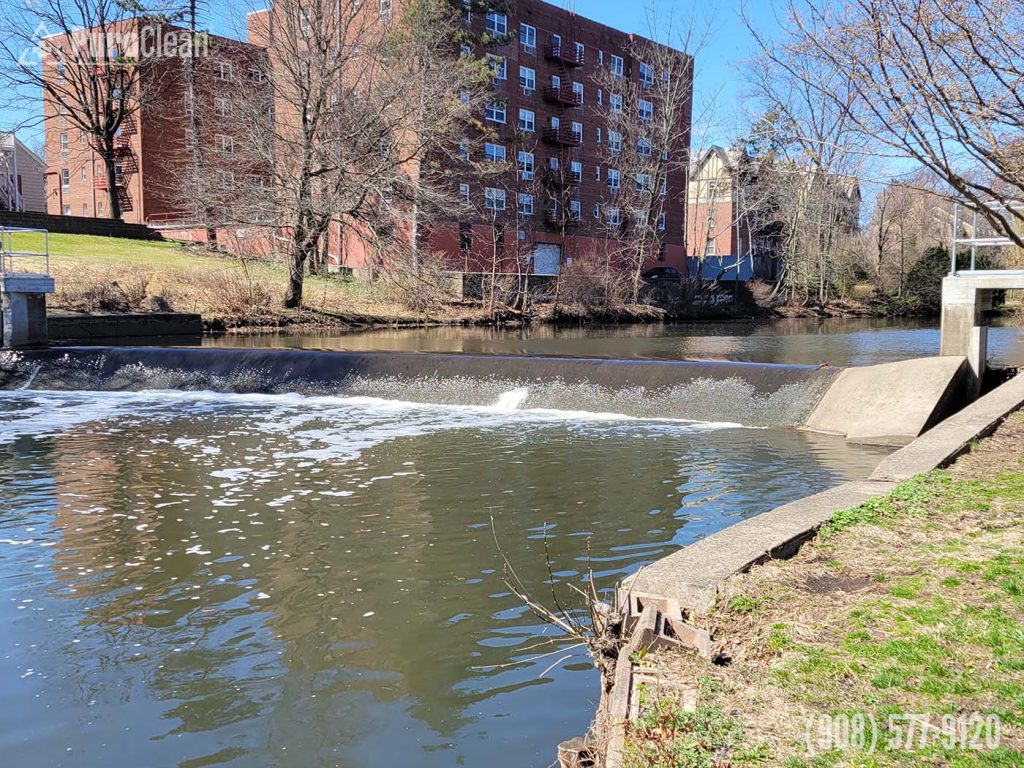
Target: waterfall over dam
753, 394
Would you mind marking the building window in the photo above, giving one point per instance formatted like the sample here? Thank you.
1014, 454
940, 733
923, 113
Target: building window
664, 187
646, 75
643, 183
227, 179
643, 147
385, 9
580, 51
65, 178
617, 66
256, 76
553, 163
600, 136
497, 112
499, 67
494, 199
464, 149
577, 170
85, 209
577, 131
575, 210
465, 237
597, 210
528, 37
614, 179
495, 153
526, 166
615, 142
613, 217
225, 143
661, 222
525, 204
67, 210
221, 107
615, 101
528, 79
600, 57
577, 89
464, 193
223, 70
711, 248
527, 121
64, 144
556, 123
597, 173
645, 109
600, 97
497, 23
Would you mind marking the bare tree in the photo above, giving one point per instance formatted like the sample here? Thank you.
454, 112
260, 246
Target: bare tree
95, 62
936, 81
359, 127
647, 147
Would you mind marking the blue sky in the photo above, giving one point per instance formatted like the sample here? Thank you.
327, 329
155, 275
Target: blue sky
719, 77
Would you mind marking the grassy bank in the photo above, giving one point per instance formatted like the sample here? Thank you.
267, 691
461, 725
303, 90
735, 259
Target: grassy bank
904, 611
102, 273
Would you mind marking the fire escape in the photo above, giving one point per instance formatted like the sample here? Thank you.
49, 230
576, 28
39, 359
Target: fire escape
561, 182
126, 164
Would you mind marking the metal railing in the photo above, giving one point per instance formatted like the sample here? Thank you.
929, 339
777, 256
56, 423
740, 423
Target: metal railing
13, 246
974, 242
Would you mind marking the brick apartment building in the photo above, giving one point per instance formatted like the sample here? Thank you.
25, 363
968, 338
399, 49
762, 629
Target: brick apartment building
549, 115
547, 120
153, 146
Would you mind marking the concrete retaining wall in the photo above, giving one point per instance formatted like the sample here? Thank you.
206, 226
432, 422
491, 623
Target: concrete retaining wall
78, 225
92, 327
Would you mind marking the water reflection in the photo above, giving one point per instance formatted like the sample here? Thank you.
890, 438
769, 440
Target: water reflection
838, 341
189, 586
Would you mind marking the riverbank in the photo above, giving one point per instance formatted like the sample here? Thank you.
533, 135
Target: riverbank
105, 275
910, 605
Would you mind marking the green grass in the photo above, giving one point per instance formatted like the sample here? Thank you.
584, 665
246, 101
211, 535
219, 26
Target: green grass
937, 628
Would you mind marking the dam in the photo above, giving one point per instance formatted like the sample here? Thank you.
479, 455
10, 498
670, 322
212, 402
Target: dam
281, 555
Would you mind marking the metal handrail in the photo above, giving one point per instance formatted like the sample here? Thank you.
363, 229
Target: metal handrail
974, 242
8, 253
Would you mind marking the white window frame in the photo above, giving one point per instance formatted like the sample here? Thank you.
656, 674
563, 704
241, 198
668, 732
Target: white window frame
646, 74
645, 110
495, 153
527, 79
527, 165
525, 204
497, 23
615, 103
499, 67
528, 37
614, 142
225, 143
495, 199
614, 179
617, 66
644, 148
464, 192
527, 120
577, 88
497, 114
224, 70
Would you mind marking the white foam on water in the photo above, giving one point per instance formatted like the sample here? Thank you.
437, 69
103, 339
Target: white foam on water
314, 428
510, 401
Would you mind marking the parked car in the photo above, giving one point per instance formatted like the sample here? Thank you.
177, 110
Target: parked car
658, 274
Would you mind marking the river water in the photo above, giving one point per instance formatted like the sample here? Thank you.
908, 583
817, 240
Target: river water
197, 579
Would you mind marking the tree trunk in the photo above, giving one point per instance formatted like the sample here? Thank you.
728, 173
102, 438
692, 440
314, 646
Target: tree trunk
109, 167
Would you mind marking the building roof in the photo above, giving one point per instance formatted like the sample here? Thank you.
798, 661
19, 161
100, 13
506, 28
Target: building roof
9, 141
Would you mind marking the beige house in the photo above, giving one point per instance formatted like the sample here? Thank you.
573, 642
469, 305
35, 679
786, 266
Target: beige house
22, 177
